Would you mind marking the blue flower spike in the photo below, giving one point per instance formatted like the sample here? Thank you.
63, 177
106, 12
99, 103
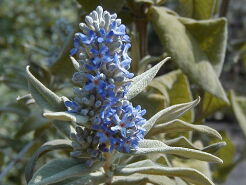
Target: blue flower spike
101, 50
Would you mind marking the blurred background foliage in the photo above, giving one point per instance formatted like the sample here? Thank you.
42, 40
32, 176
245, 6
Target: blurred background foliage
39, 33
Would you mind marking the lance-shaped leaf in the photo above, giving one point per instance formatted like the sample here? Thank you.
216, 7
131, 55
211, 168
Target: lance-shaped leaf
66, 116
51, 145
175, 82
44, 97
140, 82
142, 179
213, 148
47, 100
182, 126
59, 170
181, 142
155, 146
197, 47
170, 113
92, 178
188, 174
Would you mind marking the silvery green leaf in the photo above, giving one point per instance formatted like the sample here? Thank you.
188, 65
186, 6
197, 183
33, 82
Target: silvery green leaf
198, 47
182, 126
51, 145
188, 174
140, 82
90, 179
142, 179
155, 146
60, 169
47, 100
66, 116
213, 148
181, 141
170, 113
44, 97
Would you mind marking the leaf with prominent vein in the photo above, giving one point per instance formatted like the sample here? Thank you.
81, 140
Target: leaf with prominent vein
182, 126
51, 145
140, 82
47, 100
60, 169
190, 175
170, 113
155, 146
66, 116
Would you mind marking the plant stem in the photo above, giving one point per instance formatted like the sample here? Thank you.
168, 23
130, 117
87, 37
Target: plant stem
107, 167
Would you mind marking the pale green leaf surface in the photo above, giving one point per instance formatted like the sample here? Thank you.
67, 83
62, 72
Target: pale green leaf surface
66, 116
190, 175
182, 126
187, 51
51, 145
155, 146
175, 82
196, 9
60, 169
140, 82
47, 100
170, 113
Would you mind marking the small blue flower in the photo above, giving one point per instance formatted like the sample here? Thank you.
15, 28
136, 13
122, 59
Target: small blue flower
102, 49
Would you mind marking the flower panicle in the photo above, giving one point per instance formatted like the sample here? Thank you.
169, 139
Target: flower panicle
103, 80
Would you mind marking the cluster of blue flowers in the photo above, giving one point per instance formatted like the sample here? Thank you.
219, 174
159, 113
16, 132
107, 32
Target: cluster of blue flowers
103, 80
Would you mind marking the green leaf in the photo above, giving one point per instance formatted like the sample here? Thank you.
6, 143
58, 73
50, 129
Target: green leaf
182, 126
51, 145
209, 105
155, 146
140, 82
196, 9
60, 169
142, 179
227, 154
44, 97
190, 175
153, 102
92, 178
176, 82
47, 100
109, 5
66, 116
170, 113
239, 111
198, 47
214, 148
181, 141
201, 166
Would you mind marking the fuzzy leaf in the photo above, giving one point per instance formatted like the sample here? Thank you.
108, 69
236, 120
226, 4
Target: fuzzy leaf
66, 116
196, 9
181, 142
198, 47
170, 113
190, 175
59, 170
155, 146
92, 178
51, 145
182, 126
213, 148
140, 82
175, 82
47, 100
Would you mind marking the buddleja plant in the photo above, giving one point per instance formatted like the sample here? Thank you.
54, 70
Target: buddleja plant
107, 136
